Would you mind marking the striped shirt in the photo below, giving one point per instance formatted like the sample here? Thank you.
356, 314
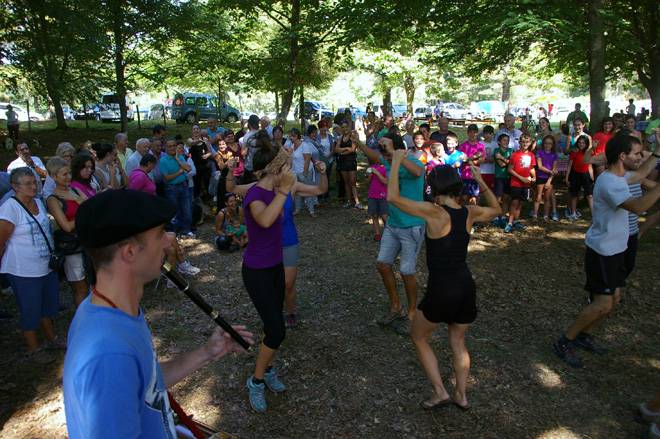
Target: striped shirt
633, 225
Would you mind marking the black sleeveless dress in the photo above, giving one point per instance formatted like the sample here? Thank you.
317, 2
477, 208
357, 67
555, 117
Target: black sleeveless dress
347, 162
451, 292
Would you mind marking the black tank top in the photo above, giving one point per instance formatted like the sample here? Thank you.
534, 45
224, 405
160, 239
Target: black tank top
449, 253
347, 144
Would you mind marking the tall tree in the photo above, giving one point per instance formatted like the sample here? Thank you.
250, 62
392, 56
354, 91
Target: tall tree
55, 45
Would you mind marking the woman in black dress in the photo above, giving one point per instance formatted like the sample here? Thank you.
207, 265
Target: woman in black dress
451, 293
346, 151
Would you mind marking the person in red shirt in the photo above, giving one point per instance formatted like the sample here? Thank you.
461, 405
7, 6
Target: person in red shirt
523, 175
600, 139
580, 175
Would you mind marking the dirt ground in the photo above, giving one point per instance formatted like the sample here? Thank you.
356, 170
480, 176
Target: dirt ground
347, 377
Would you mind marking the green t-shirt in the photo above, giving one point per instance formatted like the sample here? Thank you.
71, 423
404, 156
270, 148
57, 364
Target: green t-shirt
652, 125
410, 187
502, 171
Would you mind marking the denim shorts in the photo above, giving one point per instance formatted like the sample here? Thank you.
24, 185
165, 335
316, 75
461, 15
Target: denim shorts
37, 298
403, 242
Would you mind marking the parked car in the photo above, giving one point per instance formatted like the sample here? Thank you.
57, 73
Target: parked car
314, 110
455, 112
21, 112
399, 110
110, 108
487, 110
355, 112
69, 113
90, 112
193, 107
423, 113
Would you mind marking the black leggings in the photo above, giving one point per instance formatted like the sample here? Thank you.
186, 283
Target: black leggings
266, 289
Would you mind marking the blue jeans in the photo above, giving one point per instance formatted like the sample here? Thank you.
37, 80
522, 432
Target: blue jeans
179, 195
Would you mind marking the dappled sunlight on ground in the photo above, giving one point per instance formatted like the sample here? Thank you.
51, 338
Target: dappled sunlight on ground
559, 433
548, 377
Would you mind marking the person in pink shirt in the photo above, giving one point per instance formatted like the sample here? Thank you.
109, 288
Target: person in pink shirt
476, 154
139, 179
377, 197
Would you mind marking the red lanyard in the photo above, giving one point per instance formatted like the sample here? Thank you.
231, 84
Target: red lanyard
101, 296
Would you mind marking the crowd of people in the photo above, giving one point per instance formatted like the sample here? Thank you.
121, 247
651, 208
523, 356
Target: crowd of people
424, 185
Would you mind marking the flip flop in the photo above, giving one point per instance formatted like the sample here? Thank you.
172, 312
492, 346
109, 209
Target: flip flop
443, 403
464, 408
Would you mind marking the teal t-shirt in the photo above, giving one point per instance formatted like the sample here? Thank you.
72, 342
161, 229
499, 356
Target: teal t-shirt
168, 165
411, 187
500, 171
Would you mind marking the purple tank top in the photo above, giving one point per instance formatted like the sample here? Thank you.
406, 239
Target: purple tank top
264, 249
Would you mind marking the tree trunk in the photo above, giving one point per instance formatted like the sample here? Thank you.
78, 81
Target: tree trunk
292, 69
506, 87
301, 109
596, 64
55, 97
409, 85
277, 103
120, 67
387, 101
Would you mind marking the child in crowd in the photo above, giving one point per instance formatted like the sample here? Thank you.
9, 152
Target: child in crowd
501, 157
377, 207
546, 170
230, 231
475, 153
579, 176
488, 166
521, 167
454, 158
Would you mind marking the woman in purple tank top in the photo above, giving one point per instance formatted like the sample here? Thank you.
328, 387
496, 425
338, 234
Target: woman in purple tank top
263, 271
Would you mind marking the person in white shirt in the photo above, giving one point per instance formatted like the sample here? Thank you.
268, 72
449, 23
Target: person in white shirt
264, 124
607, 242
13, 123
248, 145
302, 164
123, 151
25, 159
141, 149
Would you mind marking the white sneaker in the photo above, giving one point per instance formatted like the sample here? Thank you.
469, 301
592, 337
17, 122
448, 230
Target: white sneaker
187, 268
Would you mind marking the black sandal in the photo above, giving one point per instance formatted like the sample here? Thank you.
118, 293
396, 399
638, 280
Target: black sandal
443, 403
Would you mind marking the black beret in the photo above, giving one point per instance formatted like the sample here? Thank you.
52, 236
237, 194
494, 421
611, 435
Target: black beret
115, 215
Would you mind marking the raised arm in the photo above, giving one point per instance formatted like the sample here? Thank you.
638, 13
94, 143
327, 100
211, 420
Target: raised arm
308, 190
643, 171
370, 153
492, 208
265, 215
644, 203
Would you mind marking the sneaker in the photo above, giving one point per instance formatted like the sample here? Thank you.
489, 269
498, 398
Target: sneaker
587, 342
359, 206
291, 321
518, 225
392, 316
189, 235
567, 214
564, 350
554, 216
508, 228
257, 396
578, 214
546, 218
533, 215
273, 382
377, 237
187, 268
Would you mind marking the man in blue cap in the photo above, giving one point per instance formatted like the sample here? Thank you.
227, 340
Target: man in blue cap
113, 384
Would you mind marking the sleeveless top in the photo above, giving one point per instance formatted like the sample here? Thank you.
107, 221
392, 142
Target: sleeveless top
449, 253
347, 144
69, 207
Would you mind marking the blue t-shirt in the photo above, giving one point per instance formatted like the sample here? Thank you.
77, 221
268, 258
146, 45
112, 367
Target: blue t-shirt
289, 233
113, 385
411, 187
213, 133
168, 165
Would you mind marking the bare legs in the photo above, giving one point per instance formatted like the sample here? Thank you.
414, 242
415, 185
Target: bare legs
350, 185
409, 283
420, 333
31, 336
592, 314
290, 275
264, 360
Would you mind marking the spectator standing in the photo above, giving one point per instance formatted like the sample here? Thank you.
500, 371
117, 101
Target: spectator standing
510, 130
13, 123
174, 167
26, 244
631, 109
123, 151
25, 159
139, 179
63, 205
141, 149
66, 151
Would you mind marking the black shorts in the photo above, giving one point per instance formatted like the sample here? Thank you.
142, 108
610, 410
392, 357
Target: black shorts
580, 180
541, 181
604, 273
347, 163
502, 186
630, 255
450, 298
520, 193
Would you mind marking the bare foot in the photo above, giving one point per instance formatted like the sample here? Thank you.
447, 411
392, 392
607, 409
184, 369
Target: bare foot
438, 399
